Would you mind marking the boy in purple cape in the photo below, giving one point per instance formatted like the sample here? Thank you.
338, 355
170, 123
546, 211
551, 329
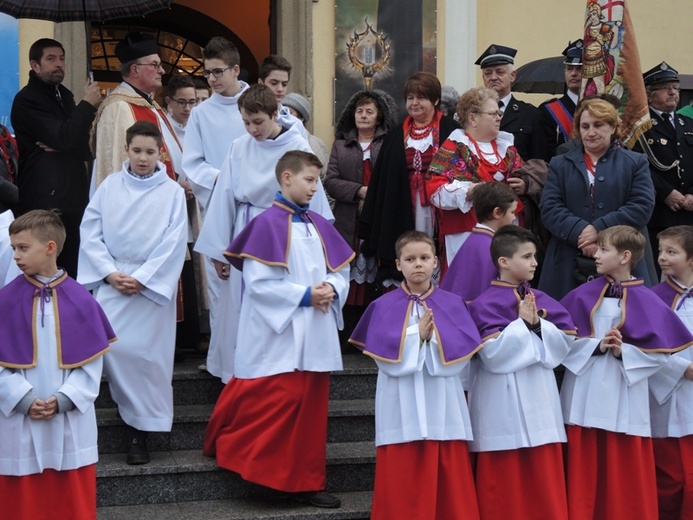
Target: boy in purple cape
625, 335
513, 396
52, 338
270, 422
671, 388
472, 269
421, 338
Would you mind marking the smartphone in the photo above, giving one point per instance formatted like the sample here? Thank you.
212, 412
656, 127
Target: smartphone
90, 76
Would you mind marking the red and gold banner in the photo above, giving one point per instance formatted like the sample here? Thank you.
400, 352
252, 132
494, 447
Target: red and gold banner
611, 64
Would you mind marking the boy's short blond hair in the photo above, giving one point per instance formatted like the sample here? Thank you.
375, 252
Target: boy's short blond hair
295, 161
413, 236
45, 225
683, 235
624, 238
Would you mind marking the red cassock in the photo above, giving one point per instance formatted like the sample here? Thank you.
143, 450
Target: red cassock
424, 480
67, 495
530, 480
674, 463
610, 476
273, 430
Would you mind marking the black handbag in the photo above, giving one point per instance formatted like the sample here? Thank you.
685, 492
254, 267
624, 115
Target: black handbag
585, 269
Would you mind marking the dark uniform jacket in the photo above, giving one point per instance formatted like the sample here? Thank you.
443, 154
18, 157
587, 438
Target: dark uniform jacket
665, 145
553, 131
526, 123
59, 179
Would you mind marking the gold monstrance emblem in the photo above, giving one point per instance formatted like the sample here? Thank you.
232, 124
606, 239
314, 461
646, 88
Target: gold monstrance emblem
361, 50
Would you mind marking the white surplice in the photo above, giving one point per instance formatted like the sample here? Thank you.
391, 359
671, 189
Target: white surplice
420, 398
212, 127
275, 334
671, 395
8, 268
68, 440
137, 227
605, 392
245, 188
513, 396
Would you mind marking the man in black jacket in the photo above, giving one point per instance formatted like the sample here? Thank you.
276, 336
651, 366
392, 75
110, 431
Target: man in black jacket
669, 148
53, 138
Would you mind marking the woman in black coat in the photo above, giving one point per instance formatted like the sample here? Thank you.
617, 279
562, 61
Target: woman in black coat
598, 185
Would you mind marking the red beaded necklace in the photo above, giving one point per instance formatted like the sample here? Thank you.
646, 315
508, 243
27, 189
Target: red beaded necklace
482, 156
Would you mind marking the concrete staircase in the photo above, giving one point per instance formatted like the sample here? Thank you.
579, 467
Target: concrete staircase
180, 483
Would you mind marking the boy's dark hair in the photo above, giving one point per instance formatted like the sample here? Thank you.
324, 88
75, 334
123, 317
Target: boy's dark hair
258, 98
488, 196
177, 82
219, 48
37, 48
624, 238
45, 225
295, 161
273, 62
508, 239
683, 235
413, 236
146, 129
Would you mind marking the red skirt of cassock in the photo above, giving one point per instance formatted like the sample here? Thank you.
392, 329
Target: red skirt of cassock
67, 495
610, 476
273, 430
674, 463
424, 480
522, 484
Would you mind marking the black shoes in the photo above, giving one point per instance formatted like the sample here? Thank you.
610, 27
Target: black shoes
137, 450
318, 499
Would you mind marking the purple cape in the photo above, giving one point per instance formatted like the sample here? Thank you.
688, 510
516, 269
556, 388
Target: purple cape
497, 307
381, 331
646, 321
472, 269
267, 238
669, 291
83, 331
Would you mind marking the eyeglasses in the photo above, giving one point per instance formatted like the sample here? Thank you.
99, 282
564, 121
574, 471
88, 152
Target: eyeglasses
217, 73
183, 102
670, 88
156, 65
494, 113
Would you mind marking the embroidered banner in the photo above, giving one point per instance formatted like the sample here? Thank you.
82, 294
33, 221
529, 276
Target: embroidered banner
611, 64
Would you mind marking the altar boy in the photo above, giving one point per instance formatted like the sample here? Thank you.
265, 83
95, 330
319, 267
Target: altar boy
625, 335
421, 338
270, 422
52, 338
134, 235
513, 397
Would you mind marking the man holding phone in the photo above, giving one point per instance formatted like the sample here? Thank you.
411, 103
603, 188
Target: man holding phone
52, 135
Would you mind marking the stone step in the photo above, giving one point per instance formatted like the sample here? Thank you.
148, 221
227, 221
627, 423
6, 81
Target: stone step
348, 421
355, 506
193, 387
187, 475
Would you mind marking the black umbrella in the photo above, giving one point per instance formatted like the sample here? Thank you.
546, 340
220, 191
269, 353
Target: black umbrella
78, 10
545, 76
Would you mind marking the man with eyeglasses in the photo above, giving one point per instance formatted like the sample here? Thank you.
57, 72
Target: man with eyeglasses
669, 148
180, 100
53, 141
521, 119
132, 101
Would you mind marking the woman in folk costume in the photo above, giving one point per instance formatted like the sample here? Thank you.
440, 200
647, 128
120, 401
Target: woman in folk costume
398, 199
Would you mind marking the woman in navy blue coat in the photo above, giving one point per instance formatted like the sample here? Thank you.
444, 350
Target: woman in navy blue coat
598, 185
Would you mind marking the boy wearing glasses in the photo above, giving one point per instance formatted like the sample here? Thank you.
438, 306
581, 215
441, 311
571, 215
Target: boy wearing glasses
181, 97
132, 101
211, 129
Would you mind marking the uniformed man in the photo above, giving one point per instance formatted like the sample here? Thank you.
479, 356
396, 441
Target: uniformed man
560, 110
521, 119
669, 147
